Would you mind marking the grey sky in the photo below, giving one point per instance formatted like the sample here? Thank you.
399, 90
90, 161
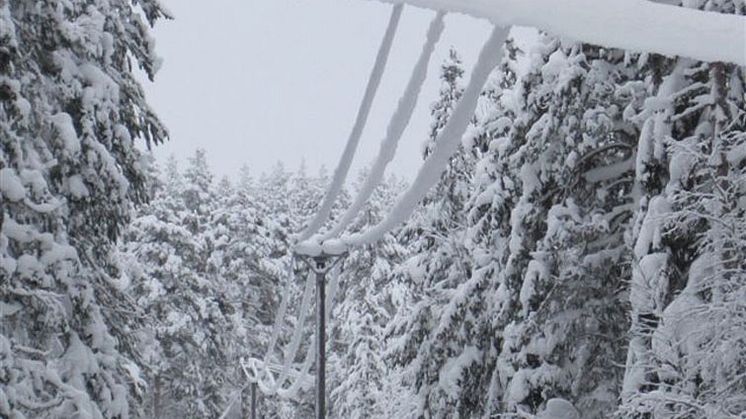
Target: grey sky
257, 81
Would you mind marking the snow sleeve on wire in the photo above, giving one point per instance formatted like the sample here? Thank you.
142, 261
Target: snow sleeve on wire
298, 333
396, 127
280, 315
340, 174
291, 391
634, 25
446, 142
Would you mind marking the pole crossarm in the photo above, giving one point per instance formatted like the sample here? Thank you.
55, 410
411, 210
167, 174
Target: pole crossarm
634, 25
317, 263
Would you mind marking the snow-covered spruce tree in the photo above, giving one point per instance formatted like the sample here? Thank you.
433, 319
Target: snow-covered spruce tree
536, 312
358, 369
433, 341
280, 204
561, 191
168, 247
70, 111
689, 185
241, 258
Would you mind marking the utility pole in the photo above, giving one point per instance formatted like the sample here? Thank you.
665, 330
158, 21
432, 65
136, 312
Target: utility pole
253, 401
321, 265
321, 336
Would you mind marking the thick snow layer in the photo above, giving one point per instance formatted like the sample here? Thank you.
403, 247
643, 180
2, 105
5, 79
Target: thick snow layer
77, 187
446, 143
64, 125
340, 173
310, 247
334, 247
453, 371
396, 127
634, 25
559, 409
10, 185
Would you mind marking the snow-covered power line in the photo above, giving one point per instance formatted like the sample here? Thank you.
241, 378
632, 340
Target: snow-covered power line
259, 370
634, 25
446, 144
280, 315
602, 22
262, 372
398, 123
340, 173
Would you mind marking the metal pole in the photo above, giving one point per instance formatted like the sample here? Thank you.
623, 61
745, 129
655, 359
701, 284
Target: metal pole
253, 401
321, 337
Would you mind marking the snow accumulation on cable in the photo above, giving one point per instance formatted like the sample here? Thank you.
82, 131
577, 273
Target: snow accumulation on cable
396, 127
634, 25
340, 174
298, 333
445, 145
280, 315
259, 371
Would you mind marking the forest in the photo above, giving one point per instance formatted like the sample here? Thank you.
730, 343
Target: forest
580, 256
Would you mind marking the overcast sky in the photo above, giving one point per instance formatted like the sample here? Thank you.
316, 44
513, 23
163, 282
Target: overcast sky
257, 81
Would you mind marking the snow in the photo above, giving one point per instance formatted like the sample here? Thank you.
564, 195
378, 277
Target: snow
650, 234
340, 173
737, 154
555, 65
24, 107
535, 273
634, 25
280, 315
77, 187
7, 310
610, 172
298, 334
559, 409
276, 386
445, 145
310, 247
290, 352
63, 123
11, 186
454, 369
334, 247
398, 123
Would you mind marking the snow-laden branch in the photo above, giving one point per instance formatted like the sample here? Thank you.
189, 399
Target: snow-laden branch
634, 25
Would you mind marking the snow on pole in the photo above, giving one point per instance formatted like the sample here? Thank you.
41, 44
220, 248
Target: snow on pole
340, 173
445, 144
634, 25
396, 127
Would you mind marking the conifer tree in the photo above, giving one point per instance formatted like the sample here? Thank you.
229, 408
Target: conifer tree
681, 273
70, 112
169, 246
438, 329
358, 367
